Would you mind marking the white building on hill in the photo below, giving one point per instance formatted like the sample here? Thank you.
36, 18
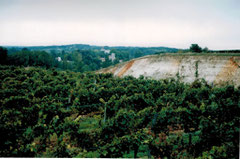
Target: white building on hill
112, 57
106, 51
58, 59
103, 59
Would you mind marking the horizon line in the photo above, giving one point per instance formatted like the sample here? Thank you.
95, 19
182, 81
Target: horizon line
107, 46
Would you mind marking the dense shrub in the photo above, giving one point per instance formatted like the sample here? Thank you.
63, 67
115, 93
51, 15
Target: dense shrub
49, 113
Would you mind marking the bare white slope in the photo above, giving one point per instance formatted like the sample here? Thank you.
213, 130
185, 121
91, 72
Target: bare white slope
214, 69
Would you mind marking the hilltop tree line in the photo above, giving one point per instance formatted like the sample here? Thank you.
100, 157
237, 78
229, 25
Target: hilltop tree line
195, 48
50, 113
198, 49
68, 59
78, 61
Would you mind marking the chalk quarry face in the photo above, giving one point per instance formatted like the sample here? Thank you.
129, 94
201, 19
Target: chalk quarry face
215, 70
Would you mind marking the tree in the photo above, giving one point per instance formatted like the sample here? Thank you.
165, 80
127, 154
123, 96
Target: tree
3, 55
195, 48
205, 49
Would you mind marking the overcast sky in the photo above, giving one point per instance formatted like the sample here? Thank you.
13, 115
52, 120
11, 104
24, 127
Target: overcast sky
172, 23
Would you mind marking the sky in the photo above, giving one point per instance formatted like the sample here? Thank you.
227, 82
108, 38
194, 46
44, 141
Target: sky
173, 23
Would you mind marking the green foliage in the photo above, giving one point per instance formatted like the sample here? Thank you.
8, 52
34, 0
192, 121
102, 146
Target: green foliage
195, 48
77, 58
3, 55
31, 58
50, 113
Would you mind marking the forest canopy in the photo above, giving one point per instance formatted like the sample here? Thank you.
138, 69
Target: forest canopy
77, 57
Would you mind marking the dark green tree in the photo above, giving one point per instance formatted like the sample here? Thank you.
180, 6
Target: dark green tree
205, 50
3, 55
195, 48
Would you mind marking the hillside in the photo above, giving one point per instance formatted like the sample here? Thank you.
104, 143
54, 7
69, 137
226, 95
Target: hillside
76, 57
214, 68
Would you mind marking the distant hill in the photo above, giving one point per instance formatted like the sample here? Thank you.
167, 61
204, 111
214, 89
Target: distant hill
73, 47
77, 57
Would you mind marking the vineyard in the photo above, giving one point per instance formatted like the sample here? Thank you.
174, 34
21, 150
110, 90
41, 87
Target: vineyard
50, 113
